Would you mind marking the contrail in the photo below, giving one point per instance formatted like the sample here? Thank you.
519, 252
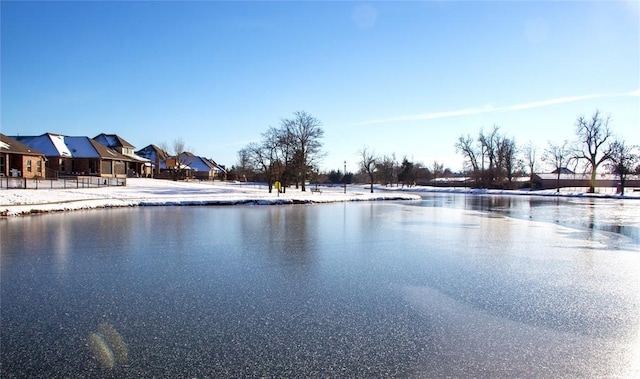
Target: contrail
491, 109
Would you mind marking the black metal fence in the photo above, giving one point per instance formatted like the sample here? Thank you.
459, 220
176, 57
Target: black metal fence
8, 182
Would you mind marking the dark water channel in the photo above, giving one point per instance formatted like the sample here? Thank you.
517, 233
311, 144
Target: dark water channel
449, 286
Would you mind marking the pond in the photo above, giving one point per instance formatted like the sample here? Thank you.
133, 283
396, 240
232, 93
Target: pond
455, 285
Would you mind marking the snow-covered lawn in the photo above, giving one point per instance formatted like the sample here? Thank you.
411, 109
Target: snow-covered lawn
139, 192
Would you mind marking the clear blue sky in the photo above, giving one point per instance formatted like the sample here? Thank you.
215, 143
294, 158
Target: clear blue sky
399, 77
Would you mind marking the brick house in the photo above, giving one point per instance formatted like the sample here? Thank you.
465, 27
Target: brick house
20, 160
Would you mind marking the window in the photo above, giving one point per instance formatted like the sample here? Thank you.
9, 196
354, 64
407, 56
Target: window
93, 166
3, 165
28, 165
39, 166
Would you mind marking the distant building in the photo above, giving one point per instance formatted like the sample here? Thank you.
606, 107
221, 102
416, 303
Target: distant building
20, 160
203, 168
568, 178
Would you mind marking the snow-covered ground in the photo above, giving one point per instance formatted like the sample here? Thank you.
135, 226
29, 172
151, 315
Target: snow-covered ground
141, 192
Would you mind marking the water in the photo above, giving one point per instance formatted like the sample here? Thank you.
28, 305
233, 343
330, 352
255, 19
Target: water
458, 286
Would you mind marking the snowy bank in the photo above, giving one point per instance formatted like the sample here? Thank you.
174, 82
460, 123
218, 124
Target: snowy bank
152, 192
630, 193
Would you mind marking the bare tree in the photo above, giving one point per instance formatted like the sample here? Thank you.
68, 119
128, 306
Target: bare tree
243, 164
493, 160
437, 170
507, 159
558, 156
593, 134
489, 152
368, 161
465, 147
622, 160
280, 147
262, 157
386, 168
305, 134
530, 152
179, 161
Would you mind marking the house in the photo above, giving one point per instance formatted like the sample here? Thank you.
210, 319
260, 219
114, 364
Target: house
156, 156
201, 168
138, 166
20, 160
221, 171
68, 155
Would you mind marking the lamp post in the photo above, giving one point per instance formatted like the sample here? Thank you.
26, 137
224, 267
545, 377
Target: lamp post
344, 178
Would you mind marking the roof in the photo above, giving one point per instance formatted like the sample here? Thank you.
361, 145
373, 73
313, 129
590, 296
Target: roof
563, 170
218, 167
151, 152
56, 145
51, 145
198, 163
10, 145
112, 140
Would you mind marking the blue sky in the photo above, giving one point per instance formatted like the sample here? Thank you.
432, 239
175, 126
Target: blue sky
399, 77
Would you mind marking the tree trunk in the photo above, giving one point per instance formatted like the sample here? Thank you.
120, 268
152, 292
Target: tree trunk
592, 182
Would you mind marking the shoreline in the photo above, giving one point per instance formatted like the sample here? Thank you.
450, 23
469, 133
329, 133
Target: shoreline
155, 192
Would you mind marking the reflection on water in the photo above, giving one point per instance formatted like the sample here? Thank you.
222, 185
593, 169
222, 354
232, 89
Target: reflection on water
609, 215
448, 288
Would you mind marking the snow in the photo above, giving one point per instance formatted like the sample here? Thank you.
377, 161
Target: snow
61, 147
156, 192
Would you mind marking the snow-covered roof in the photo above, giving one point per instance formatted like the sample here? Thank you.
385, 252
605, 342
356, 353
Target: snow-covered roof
138, 158
198, 163
51, 145
81, 147
56, 145
218, 167
12, 146
152, 152
112, 140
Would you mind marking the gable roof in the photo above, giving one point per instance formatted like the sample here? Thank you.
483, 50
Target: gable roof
112, 140
11, 145
198, 163
152, 152
220, 168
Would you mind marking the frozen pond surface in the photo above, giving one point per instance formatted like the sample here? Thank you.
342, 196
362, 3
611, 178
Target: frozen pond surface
459, 286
